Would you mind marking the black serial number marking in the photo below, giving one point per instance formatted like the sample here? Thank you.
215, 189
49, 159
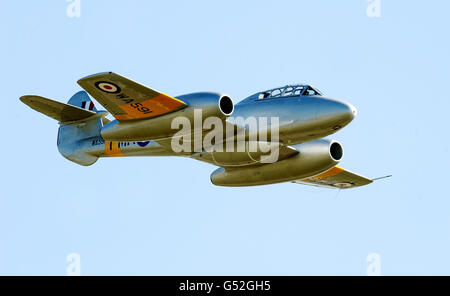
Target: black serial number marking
124, 98
98, 141
141, 108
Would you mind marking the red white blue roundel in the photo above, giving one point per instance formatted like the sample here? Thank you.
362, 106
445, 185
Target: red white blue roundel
108, 87
343, 185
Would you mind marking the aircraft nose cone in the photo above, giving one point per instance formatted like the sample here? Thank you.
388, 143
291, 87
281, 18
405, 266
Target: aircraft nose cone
344, 111
335, 113
353, 110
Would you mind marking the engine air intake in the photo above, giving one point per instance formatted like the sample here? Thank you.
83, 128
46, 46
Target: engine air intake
226, 105
336, 151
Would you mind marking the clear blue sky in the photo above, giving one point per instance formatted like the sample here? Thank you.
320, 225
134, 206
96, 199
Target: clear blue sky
162, 216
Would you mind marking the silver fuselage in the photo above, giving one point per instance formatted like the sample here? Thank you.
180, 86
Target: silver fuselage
301, 119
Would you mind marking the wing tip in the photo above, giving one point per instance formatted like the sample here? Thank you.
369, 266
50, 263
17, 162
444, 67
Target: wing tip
94, 75
29, 99
337, 178
24, 99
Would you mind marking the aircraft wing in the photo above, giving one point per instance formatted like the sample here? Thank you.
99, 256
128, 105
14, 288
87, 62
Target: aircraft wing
62, 112
126, 99
336, 178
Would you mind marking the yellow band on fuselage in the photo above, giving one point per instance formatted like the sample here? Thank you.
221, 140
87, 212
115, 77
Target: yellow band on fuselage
112, 149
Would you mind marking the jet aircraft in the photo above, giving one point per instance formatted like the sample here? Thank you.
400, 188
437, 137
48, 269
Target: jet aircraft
146, 123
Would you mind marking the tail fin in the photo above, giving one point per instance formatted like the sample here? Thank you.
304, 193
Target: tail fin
82, 100
74, 138
79, 122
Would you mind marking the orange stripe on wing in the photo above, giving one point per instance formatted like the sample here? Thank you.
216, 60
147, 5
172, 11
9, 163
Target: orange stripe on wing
123, 117
330, 173
158, 105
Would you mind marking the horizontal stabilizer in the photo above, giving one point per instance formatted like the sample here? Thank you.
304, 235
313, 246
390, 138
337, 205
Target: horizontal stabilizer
336, 178
62, 112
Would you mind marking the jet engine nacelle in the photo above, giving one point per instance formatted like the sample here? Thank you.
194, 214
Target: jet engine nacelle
313, 158
211, 104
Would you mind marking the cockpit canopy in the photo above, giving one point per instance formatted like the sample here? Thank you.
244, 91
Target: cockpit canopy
289, 91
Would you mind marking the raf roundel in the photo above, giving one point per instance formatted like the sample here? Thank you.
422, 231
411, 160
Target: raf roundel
343, 185
107, 87
143, 144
